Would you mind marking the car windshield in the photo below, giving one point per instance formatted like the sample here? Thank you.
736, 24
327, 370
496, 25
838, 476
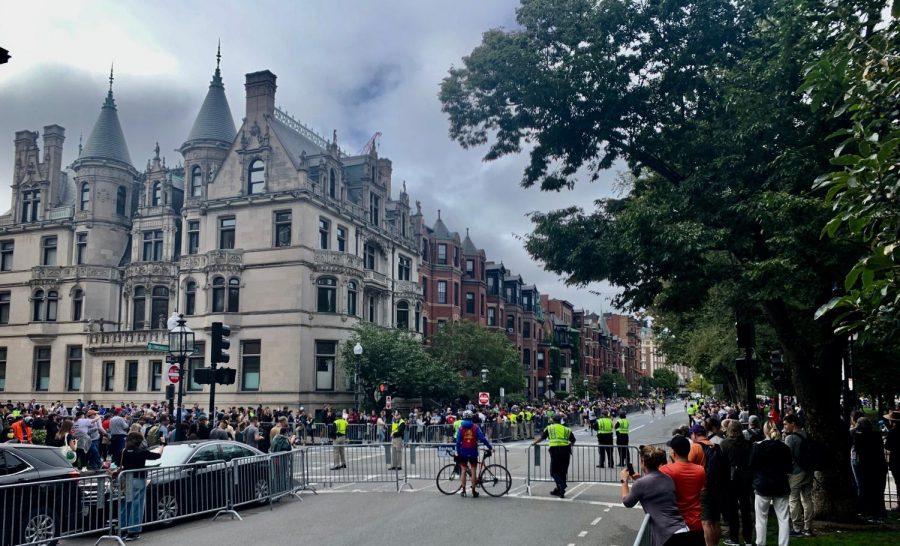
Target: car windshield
172, 455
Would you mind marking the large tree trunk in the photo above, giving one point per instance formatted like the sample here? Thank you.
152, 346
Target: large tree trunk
814, 358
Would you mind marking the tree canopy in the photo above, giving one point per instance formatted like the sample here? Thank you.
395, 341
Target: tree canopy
701, 99
468, 348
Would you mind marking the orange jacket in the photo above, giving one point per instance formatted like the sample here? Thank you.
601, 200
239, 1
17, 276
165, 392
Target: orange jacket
21, 431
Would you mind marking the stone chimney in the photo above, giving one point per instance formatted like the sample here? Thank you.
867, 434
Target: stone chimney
260, 87
26, 152
54, 135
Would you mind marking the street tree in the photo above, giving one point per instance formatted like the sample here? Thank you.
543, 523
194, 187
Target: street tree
398, 359
700, 99
468, 348
666, 379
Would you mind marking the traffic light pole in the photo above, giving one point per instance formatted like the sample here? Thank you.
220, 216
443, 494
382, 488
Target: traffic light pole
751, 382
212, 396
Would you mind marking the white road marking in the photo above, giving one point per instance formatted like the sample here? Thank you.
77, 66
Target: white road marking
589, 485
582, 534
637, 427
607, 509
597, 520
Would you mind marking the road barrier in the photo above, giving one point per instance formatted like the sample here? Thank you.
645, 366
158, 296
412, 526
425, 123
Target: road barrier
644, 536
584, 463
424, 461
44, 511
349, 463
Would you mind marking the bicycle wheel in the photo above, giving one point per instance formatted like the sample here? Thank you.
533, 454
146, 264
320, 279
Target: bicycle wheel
495, 480
448, 480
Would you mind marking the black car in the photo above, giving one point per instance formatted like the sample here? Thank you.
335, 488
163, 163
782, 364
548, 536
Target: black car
40, 498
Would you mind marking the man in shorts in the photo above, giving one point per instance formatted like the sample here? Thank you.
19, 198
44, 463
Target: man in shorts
467, 438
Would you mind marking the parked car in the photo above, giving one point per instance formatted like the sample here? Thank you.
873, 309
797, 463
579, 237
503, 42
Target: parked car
194, 477
39, 499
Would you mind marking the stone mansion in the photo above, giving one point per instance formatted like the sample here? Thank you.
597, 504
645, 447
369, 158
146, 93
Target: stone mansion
267, 227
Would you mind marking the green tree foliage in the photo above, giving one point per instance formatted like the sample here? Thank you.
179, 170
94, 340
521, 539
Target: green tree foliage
666, 379
700, 98
397, 358
858, 83
468, 348
700, 384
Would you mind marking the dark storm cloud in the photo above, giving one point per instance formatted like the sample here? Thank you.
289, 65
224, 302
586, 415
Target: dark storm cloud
357, 67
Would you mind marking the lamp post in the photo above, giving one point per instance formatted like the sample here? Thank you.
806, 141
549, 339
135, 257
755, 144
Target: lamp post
615, 394
181, 344
549, 384
357, 351
585, 383
484, 375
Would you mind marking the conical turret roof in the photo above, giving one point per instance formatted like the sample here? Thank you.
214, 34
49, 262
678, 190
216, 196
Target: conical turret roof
468, 247
107, 141
214, 122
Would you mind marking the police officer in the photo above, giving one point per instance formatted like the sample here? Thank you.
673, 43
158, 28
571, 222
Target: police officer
340, 440
622, 439
605, 439
513, 426
398, 429
529, 422
560, 438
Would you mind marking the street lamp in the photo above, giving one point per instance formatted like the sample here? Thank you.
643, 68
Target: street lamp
549, 383
181, 344
357, 350
585, 383
484, 375
615, 394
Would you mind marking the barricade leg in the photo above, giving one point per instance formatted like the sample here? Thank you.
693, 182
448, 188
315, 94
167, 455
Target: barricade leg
229, 510
408, 457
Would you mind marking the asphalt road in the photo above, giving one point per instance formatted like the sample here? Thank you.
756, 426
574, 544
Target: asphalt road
375, 513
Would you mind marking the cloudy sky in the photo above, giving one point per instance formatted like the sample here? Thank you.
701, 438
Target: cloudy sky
354, 66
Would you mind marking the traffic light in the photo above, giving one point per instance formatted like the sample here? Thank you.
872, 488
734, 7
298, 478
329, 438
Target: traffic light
4, 56
778, 374
225, 376
203, 376
220, 343
746, 335
382, 387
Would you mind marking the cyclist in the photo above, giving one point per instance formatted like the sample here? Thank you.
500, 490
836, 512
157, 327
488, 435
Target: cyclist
467, 438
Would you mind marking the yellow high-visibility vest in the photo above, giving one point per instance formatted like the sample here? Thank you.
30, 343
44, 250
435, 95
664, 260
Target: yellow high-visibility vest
340, 426
558, 435
604, 425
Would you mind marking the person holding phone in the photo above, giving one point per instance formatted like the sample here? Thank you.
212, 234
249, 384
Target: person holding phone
656, 493
135, 457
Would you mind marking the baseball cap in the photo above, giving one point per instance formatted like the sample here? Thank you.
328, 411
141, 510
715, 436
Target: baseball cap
698, 429
680, 445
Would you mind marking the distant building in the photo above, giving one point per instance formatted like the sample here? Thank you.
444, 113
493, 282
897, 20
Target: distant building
267, 227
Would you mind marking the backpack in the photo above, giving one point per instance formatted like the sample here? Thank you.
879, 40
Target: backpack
280, 443
468, 438
810, 454
153, 436
718, 468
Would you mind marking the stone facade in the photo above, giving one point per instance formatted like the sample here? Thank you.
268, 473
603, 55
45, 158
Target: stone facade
269, 228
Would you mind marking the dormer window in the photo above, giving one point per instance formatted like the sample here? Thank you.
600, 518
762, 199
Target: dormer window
31, 206
156, 198
196, 182
256, 177
85, 196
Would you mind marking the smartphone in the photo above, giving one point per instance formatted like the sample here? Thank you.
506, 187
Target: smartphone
630, 468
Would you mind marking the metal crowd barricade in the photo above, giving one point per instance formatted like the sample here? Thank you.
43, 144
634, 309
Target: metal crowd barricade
320, 434
172, 493
46, 511
362, 433
364, 463
424, 461
584, 463
253, 480
644, 537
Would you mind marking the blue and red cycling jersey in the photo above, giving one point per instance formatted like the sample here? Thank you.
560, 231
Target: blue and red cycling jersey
467, 438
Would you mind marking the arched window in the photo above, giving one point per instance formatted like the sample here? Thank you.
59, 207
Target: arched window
38, 306
159, 308
156, 198
190, 298
77, 303
351, 298
234, 294
138, 308
218, 295
332, 184
256, 177
85, 196
326, 295
403, 315
196, 181
120, 201
52, 305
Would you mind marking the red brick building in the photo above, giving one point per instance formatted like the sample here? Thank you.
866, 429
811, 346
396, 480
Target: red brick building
627, 331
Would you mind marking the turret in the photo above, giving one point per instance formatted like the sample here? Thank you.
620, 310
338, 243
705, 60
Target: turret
210, 138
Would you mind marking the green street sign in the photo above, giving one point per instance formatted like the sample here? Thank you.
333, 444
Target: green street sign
158, 347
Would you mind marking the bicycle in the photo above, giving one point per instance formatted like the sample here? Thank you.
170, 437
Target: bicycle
494, 479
